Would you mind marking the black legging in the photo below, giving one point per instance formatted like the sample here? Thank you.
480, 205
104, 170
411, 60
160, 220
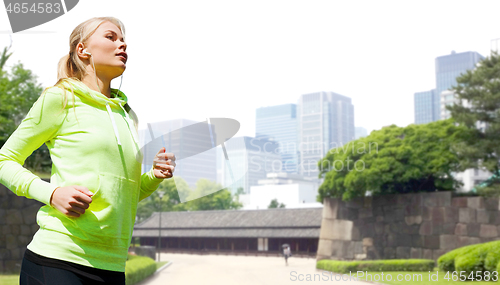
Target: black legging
34, 274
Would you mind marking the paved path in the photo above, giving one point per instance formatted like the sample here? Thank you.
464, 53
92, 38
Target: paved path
188, 269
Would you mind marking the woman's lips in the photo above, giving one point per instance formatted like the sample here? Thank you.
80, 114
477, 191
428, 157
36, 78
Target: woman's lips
122, 56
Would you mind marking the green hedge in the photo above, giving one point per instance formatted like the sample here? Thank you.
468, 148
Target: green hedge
138, 268
472, 258
376, 265
446, 262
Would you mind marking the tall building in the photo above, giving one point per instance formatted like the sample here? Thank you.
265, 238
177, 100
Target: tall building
191, 144
326, 121
424, 106
448, 68
249, 160
279, 123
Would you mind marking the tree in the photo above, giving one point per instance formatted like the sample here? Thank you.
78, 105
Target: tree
18, 92
239, 191
169, 203
275, 204
478, 103
217, 200
416, 158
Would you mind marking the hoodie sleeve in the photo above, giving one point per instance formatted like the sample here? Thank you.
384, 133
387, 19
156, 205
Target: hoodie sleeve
40, 125
149, 184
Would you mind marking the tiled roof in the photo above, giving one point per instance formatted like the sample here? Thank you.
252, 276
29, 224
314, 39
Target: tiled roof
301, 222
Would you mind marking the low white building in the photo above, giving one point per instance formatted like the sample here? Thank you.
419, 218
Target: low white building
471, 178
293, 190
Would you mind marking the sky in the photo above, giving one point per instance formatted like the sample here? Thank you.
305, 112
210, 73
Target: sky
207, 59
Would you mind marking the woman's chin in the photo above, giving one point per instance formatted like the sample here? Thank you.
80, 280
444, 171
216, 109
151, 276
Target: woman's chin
118, 71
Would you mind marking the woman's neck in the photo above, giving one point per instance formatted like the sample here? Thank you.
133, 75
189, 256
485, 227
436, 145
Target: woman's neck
102, 85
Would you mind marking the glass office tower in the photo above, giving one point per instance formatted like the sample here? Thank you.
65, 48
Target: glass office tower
189, 144
326, 121
279, 123
424, 106
448, 68
249, 160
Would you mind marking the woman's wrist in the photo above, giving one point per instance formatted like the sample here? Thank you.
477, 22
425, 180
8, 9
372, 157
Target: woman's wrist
50, 202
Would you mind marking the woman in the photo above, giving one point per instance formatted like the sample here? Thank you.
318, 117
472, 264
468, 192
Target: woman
96, 182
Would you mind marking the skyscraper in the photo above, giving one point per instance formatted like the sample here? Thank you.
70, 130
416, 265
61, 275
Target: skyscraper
183, 142
448, 68
424, 106
249, 160
326, 121
279, 123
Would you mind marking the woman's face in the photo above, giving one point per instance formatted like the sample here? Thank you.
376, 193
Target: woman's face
107, 47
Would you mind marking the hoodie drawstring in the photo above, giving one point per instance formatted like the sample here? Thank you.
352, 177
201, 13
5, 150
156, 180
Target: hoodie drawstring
114, 123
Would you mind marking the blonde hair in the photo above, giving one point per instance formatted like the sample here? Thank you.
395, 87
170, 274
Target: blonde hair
72, 67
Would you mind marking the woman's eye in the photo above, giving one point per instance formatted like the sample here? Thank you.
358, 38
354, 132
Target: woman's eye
109, 37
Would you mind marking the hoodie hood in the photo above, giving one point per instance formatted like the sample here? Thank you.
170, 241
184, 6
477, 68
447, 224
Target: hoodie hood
84, 91
119, 101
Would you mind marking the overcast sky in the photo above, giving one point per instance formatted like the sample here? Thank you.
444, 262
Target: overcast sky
199, 59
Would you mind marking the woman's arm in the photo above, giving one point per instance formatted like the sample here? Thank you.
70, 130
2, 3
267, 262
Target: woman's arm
163, 167
40, 125
149, 184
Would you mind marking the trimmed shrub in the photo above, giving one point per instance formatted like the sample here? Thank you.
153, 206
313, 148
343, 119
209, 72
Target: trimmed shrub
492, 260
339, 266
446, 261
138, 268
473, 258
498, 267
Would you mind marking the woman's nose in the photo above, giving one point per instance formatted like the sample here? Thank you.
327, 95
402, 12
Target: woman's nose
123, 46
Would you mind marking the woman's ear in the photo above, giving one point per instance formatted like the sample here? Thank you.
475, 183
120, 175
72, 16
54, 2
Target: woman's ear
81, 51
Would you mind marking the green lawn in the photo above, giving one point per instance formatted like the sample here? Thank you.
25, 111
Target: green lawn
9, 279
422, 277
14, 279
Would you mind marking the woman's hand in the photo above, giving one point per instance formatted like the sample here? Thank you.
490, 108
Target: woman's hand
71, 200
164, 164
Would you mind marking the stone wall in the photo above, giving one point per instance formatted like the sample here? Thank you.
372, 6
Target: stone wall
17, 227
423, 225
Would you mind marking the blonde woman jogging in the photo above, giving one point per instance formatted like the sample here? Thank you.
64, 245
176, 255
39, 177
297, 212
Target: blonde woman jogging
96, 182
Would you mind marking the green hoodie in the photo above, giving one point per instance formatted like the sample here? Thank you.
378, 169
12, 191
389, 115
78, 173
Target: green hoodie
92, 143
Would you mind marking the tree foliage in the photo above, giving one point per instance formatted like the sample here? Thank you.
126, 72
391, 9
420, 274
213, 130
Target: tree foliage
416, 158
275, 204
18, 92
170, 201
220, 200
478, 109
